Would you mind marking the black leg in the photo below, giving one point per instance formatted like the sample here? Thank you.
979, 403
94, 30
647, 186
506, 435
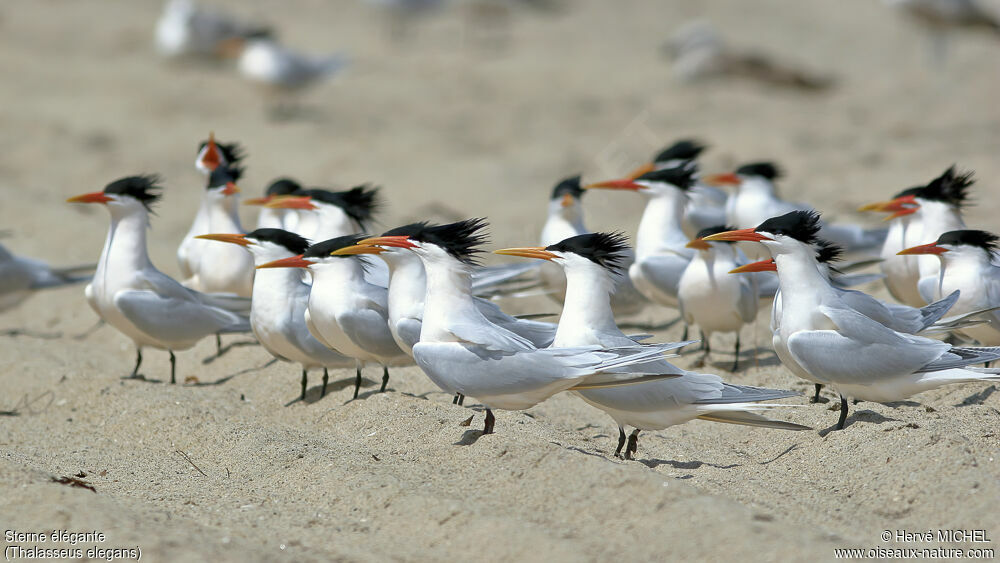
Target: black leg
173, 367
621, 441
461, 399
305, 382
633, 444
385, 379
357, 382
326, 379
218, 345
815, 398
843, 413
685, 335
705, 344
736, 361
454, 399
490, 420
138, 362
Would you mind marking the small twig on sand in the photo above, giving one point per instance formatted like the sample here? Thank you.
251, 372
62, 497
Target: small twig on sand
191, 462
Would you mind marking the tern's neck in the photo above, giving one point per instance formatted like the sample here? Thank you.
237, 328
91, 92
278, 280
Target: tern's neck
407, 286
563, 222
276, 285
332, 222
938, 218
448, 300
587, 304
223, 214
801, 281
125, 247
757, 187
270, 218
660, 227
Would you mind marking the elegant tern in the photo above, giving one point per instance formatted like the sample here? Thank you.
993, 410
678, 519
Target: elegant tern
271, 218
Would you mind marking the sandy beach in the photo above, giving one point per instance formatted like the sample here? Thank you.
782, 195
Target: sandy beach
230, 466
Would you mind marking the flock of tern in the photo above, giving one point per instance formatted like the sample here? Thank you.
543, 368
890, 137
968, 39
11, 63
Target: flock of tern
317, 289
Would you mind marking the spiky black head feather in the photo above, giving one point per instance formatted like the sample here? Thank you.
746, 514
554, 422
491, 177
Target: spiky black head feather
828, 252
222, 175
708, 231
460, 239
950, 187
800, 225
767, 170
407, 230
290, 241
144, 188
682, 176
323, 249
608, 250
684, 149
283, 186
359, 203
914, 191
232, 152
569, 186
970, 237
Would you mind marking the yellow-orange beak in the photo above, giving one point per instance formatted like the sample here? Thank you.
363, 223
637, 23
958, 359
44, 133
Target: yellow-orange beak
895, 207
644, 169
622, 184
931, 248
258, 200
762, 266
357, 249
290, 262
93, 197
291, 202
232, 239
748, 235
212, 157
528, 252
724, 179
395, 241
698, 243
230, 189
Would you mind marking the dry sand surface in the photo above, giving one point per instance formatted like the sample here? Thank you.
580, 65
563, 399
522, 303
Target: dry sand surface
452, 128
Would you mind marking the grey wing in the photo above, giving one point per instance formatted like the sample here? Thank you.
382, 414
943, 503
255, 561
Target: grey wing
172, 319
747, 305
928, 288
369, 330
490, 276
409, 331
902, 318
490, 336
861, 351
664, 271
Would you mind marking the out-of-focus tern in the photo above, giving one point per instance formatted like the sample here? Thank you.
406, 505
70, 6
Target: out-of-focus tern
133, 296
824, 339
263, 60
967, 266
271, 218
325, 214
185, 29
591, 262
216, 268
463, 352
565, 219
20, 277
345, 312
280, 299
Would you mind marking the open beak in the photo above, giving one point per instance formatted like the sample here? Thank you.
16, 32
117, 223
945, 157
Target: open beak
233, 239
762, 266
931, 248
623, 184
93, 197
740, 235
724, 179
291, 262
567, 200
528, 252
211, 159
258, 200
896, 207
357, 249
230, 189
291, 202
395, 241
644, 169
698, 243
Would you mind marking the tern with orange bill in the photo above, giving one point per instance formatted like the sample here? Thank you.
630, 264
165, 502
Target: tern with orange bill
130, 294
280, 299
824, 338
271, 218
592, 261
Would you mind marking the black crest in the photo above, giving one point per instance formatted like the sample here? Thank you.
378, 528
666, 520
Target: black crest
828, 252
407, 230
290, 241
607, 250
682, 176
767, 170
360, 202
323, 249
914, 191
222, 175
684, 149
981, 239
232, 152
709, 231
144, 188
800, 225
950, 187
283, 186
569, 186
460, 239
